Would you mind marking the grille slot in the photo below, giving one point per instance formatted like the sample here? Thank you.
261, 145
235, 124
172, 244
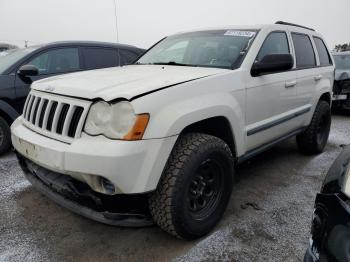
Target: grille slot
42, 113
55, 116
32, 98
62, 118
51, 115
36, 110
75, 121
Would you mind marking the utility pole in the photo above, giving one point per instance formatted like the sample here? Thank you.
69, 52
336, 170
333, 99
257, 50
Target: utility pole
116, 20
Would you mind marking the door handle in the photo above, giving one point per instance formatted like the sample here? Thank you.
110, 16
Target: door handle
291, 84
318, 78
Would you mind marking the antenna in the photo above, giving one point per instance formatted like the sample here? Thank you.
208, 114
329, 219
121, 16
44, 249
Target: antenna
116, 20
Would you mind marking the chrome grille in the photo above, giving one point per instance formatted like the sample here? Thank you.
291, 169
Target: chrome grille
55, 116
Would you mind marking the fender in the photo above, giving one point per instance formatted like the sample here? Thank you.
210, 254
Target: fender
188, 103
8, 110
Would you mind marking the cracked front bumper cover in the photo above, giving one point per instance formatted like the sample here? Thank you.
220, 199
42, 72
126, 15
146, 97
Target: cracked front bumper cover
119, 210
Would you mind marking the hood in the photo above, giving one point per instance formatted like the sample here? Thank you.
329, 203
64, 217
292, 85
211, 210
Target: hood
121, 82
342, 74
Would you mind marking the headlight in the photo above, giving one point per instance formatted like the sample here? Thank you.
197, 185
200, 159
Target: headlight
116, 121
346, 185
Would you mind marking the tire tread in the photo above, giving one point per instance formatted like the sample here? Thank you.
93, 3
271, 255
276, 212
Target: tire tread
162, 200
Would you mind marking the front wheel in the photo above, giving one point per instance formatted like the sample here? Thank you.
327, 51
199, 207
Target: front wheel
314, 139
195, 187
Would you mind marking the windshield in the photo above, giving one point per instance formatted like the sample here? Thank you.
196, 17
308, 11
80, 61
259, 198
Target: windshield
220, 49
8, 58
342, 61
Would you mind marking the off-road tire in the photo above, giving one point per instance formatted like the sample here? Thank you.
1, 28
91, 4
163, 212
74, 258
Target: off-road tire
5, 136
314, 139
170, 204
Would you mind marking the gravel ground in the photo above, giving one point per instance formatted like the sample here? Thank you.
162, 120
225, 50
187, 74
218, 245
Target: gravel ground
268, 218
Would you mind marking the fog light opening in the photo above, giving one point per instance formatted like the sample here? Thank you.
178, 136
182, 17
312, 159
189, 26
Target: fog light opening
107, 185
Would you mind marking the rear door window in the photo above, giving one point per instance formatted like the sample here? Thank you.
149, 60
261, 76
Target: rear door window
325, 58
304, 51
95, 58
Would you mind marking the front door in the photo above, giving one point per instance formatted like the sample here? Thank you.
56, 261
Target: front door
270, 97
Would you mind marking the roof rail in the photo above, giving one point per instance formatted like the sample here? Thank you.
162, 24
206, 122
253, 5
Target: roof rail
286, 23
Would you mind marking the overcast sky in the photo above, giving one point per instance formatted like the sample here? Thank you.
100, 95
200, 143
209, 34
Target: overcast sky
142, 23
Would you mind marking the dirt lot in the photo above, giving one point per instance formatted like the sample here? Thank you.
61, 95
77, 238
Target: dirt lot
280, 186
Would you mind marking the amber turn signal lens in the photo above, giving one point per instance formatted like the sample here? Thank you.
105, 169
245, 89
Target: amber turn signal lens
139, 128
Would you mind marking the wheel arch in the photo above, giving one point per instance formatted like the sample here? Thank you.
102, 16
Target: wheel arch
8, 112
218, 126
326, 97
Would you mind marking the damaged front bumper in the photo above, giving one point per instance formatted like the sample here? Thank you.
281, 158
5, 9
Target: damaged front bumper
78, 197
132, 167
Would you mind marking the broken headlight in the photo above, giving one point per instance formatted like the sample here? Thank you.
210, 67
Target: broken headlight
115, 121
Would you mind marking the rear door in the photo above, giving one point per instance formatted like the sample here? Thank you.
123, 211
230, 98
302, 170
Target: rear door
308, 75
270, 97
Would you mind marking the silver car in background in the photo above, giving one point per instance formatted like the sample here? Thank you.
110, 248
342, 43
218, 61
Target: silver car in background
341, 90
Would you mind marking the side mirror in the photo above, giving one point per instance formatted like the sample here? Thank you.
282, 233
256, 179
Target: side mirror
272, 64
28, 70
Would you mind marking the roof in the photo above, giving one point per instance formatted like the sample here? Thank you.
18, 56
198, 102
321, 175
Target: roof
276, 26
88, 43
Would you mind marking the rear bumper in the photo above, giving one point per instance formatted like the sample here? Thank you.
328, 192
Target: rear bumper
133, 167
126, 211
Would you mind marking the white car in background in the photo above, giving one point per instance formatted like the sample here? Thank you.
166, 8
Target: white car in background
169, 130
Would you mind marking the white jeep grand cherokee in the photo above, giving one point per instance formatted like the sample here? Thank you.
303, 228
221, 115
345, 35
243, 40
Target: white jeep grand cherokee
159, 140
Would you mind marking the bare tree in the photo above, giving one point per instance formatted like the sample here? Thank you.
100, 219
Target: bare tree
342, 47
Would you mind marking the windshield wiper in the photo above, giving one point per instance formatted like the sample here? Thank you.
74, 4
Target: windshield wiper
171, 63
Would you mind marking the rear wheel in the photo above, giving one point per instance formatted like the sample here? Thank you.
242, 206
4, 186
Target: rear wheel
314, 139
195, 188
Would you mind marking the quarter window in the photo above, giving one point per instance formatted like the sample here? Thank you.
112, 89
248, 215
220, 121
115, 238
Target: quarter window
57, 61
275, 43
325, 58
304, 51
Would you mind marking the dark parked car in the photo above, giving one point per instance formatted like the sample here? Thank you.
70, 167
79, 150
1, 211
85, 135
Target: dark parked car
331, 222
19, 68
341, 90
